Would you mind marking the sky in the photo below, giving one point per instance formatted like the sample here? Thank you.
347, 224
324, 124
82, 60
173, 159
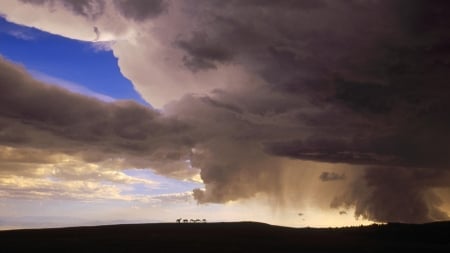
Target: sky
295, 113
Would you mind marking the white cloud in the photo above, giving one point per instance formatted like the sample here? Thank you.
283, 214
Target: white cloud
21, 35
61, 176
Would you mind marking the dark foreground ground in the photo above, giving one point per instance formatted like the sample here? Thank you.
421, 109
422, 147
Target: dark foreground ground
229, 237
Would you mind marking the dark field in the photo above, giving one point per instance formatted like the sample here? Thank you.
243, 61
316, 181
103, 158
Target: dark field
229, 237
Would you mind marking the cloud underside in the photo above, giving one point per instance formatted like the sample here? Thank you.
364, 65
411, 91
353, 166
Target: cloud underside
265, 83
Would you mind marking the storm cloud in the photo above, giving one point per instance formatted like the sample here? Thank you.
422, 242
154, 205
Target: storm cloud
41, 116
375, 90
88, 8
140, 10
397, 194
137, 10
245, 86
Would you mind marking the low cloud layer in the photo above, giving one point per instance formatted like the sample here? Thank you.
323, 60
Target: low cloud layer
245, 86
51, 119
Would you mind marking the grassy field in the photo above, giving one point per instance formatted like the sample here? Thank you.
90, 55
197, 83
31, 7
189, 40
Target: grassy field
229, 237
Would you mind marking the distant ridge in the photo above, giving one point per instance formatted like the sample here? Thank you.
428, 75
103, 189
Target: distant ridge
230, 237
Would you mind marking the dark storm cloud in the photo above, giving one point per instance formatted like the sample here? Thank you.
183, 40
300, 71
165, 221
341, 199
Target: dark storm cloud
356, 82
331, 176
414, 145
36, 115
202, 53
88, 8
390, 78
292, 4
220, 104
140, 10
231, 166
397, 194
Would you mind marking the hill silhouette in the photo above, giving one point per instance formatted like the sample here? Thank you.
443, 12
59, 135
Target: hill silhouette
230, 237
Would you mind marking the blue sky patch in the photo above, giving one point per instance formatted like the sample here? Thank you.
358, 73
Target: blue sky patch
76, 65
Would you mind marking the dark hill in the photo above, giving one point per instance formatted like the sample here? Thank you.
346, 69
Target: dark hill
229, 237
